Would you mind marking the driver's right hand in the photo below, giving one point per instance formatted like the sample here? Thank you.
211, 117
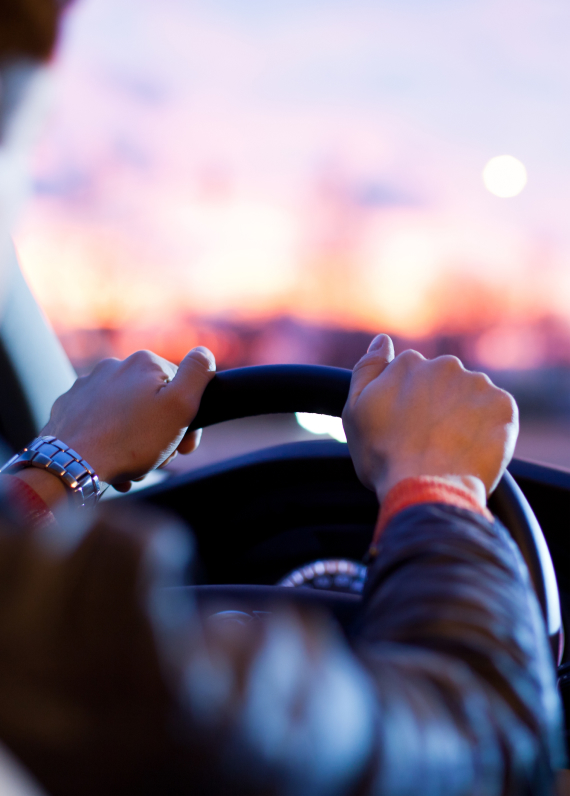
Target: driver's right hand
408, 416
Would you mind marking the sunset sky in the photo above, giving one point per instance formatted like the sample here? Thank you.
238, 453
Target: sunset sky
317, 159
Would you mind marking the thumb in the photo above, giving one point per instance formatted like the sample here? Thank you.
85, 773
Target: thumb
379, 355
192, 377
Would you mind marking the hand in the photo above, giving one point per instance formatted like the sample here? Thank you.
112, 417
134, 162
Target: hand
129, 417
410, 416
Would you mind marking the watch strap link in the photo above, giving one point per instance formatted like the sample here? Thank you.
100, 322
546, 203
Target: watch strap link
53, 455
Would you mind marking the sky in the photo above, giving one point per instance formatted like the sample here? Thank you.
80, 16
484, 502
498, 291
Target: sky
319, 159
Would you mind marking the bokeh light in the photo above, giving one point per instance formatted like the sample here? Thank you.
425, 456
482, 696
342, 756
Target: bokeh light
505, 176
322, 424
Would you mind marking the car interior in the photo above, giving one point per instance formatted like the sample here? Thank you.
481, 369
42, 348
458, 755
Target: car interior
291, 522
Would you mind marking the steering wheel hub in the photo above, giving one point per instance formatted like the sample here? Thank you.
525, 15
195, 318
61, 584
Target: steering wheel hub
333, 574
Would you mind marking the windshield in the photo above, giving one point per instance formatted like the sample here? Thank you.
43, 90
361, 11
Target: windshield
280, 182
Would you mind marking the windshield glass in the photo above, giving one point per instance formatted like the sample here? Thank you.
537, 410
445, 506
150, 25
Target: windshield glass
280, 182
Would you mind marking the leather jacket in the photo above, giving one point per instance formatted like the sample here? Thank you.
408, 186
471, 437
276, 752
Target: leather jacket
112, 683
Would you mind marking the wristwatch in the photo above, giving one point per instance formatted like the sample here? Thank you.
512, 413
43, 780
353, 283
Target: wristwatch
53, 455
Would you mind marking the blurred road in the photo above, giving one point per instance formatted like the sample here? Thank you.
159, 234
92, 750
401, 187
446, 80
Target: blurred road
545, 441
539, 441
236, 437
542, 441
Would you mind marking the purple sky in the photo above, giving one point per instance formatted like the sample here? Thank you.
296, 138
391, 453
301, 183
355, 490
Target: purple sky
322, 158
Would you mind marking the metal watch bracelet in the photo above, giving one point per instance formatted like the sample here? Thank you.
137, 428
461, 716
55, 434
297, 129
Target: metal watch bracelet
53, 455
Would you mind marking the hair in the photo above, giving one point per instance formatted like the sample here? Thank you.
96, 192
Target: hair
28, 28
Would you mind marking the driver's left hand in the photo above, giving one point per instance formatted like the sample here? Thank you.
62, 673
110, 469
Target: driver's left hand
131, 416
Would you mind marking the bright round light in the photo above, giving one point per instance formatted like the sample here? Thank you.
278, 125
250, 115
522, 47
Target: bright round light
504, 176
321, 424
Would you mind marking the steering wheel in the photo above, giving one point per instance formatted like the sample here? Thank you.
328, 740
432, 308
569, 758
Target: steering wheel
269, 389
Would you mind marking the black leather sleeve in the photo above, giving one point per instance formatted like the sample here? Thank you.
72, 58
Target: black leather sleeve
111, 682
449, 688
452, 635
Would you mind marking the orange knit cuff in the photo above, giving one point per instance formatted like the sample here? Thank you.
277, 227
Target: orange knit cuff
32, 509
424, 489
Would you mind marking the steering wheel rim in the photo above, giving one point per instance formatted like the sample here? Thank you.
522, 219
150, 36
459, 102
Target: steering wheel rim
271, 389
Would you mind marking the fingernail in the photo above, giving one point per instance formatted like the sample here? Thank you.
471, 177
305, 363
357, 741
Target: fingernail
379, 342
200, 349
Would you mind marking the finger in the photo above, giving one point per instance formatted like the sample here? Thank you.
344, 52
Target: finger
190, 441
379, 355
167, 461
168, 368
194, 372
122, 487
148, 360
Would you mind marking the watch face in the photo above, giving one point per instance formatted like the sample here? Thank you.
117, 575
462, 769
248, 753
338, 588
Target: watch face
332, 574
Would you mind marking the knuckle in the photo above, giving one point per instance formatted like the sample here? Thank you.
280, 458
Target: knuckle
140, 357
104, 364
508, 402
481, 381
496, 399
410, 357
505, 403
449, 362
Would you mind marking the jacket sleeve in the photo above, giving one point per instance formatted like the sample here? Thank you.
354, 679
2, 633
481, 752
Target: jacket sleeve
450, 687
452, 635
111, 682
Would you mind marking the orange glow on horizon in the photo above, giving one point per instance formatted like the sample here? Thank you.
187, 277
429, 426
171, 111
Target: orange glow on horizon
411, 273
192, 176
